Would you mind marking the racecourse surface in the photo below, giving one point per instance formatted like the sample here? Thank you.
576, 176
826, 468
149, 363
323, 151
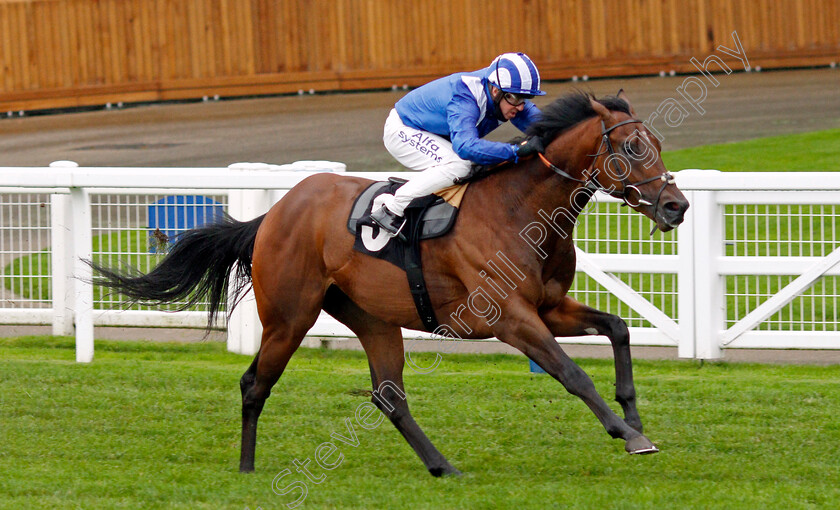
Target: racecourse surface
348, 128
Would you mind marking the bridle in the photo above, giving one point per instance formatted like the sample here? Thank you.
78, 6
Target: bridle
624, 194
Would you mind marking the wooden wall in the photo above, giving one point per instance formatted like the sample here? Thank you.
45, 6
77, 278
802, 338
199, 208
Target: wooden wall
64, 53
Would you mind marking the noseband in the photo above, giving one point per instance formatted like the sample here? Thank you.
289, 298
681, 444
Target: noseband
628, 187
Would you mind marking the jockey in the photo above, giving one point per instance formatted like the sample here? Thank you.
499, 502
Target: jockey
437, 129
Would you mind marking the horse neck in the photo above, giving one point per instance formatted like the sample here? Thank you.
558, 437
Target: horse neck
557, 200
530, 195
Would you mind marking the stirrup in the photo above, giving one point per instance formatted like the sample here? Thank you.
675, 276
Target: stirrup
388, 221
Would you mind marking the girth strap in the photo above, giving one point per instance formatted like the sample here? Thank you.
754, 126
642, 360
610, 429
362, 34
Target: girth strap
414, 272
419, 292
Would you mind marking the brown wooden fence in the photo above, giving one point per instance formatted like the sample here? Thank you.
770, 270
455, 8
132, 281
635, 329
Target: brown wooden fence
64, 53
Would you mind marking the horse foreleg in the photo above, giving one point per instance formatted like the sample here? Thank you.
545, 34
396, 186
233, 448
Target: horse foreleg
383, 344
531, 336
572, 318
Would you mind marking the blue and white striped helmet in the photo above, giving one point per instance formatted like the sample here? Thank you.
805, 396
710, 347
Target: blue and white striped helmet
515, 73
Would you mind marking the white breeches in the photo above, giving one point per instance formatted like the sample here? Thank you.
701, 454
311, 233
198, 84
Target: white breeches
425, 152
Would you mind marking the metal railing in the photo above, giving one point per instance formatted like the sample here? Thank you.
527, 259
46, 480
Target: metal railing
755, 265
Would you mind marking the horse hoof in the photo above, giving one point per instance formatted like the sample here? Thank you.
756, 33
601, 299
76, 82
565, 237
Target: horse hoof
640, 445
445, 471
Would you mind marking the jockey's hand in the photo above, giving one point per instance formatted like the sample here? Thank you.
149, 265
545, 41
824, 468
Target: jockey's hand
530, 146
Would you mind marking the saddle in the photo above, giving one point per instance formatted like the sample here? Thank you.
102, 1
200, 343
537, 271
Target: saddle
437, 212
426, 218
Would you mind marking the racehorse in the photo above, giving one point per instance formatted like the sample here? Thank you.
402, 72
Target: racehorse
517, 220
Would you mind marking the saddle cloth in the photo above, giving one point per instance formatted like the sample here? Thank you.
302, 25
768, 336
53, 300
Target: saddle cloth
426, 218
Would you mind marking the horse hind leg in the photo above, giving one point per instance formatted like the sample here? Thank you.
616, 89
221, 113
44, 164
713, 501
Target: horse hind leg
285, 323
250, 415
289, 293
389, 396
276, 350
383, 344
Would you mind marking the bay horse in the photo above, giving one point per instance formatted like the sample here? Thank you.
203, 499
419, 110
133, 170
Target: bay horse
299, 258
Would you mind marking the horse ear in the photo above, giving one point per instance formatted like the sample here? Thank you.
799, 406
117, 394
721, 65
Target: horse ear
600, 109
622, 95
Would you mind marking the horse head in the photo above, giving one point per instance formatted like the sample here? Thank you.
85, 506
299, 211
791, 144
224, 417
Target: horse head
614, 152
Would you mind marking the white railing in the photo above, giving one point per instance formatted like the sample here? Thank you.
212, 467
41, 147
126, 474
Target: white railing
755, 265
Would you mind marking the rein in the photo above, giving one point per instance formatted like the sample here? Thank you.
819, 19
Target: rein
625, 194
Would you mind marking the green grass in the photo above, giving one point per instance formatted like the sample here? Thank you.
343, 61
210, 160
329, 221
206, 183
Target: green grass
151, 425
818, 151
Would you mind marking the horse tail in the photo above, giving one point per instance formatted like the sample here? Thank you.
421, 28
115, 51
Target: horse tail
196, 269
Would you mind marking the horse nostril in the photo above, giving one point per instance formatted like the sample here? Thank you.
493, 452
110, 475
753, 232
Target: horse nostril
674, 212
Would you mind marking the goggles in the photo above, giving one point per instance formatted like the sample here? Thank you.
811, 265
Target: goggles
515, 99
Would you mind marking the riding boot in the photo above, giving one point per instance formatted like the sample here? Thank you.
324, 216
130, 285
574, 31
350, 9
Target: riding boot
388, 221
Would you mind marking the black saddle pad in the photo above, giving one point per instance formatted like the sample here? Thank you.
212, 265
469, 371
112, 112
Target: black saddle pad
426, 217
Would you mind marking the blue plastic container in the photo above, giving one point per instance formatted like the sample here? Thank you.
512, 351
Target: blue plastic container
536, 369
172, 215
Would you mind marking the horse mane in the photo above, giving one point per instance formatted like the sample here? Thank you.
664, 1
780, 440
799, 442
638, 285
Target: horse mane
565, 112
568, 110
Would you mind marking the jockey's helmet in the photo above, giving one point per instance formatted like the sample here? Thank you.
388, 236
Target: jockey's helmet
515, 73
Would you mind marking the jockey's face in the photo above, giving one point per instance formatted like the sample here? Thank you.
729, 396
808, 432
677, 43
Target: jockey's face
509, 110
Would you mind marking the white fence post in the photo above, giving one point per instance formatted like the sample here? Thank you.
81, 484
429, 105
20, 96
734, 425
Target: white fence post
686, 286
82, 274
61, 228
709, 296
244, 330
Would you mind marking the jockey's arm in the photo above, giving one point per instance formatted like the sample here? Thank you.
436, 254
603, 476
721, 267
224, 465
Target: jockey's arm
462, 116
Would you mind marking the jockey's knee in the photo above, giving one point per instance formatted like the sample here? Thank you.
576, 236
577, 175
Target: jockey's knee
455, 169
